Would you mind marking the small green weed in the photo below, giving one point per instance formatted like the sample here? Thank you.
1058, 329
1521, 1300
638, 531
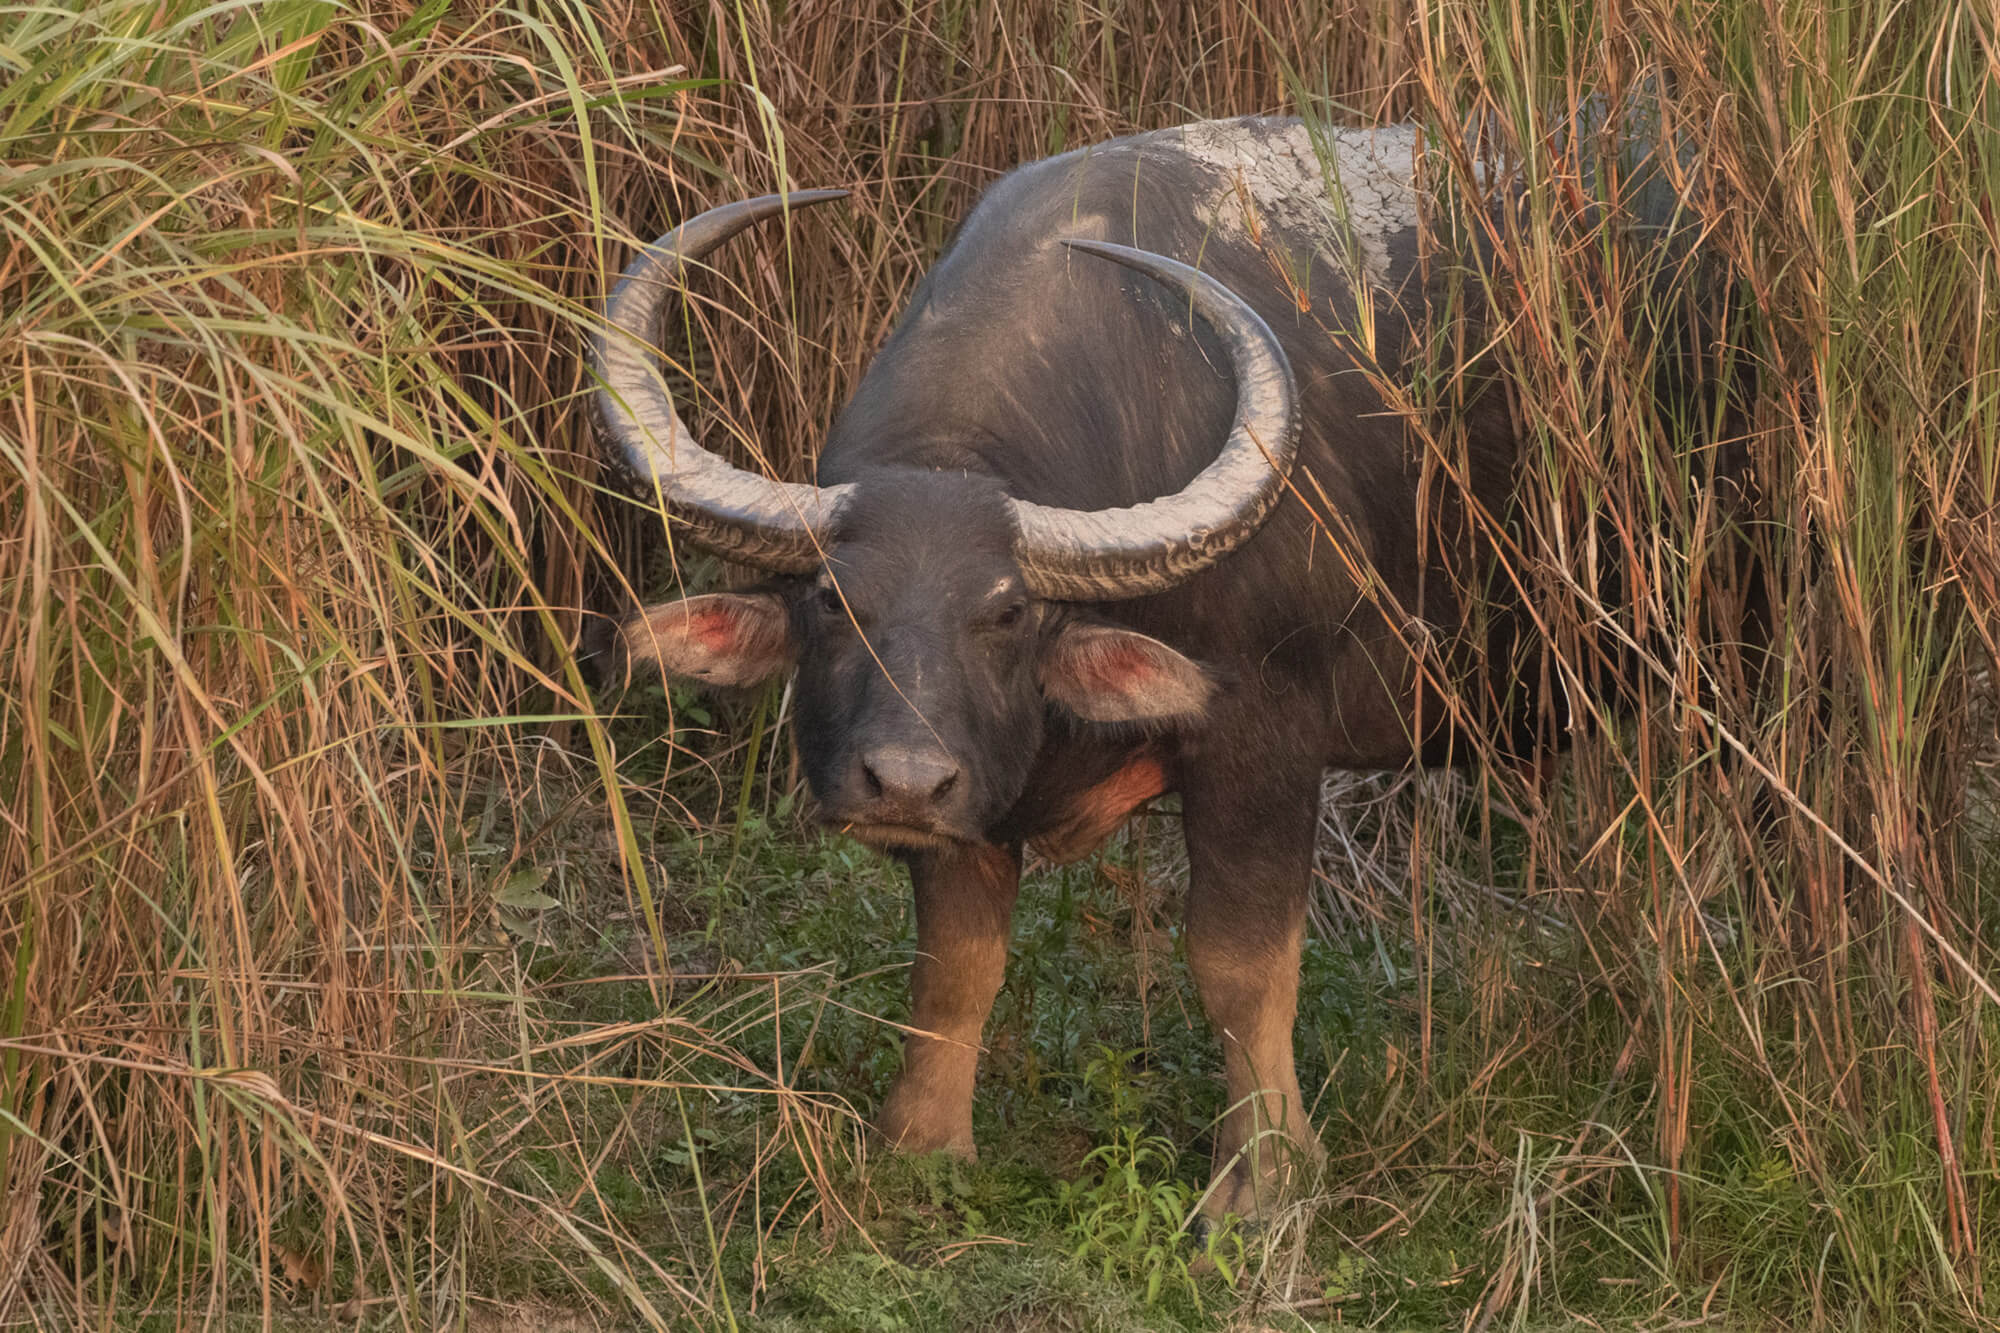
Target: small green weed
1130, 1213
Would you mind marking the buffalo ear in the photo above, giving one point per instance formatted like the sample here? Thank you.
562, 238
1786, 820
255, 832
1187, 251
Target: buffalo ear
721, 638
1105, 674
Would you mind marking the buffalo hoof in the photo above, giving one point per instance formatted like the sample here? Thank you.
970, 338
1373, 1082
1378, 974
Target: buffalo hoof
913, 1124
1254, 1193
1206, 1234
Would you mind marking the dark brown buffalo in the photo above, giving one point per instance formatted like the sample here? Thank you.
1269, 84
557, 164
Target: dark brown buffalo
1098, 524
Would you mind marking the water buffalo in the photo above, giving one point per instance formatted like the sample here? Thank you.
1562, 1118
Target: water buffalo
1117, 510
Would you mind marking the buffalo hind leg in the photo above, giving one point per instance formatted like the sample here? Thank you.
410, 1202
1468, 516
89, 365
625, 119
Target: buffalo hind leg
1250, 853
965, 909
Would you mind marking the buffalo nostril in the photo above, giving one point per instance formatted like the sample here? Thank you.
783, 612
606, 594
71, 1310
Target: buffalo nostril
949, 781
874, 783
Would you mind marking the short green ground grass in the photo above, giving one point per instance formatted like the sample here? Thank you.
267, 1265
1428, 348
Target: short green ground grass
1513, 1163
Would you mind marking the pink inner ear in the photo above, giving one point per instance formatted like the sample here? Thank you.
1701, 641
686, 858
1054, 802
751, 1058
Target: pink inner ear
715, 630
1118, 664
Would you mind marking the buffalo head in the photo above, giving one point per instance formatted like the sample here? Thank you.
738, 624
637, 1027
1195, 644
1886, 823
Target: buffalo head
934, 620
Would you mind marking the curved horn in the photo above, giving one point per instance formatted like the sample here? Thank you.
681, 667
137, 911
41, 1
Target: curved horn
771, 524
1092, 555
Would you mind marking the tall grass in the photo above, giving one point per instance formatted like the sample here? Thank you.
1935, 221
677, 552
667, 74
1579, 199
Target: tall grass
302, 530
295, 551
1764, 826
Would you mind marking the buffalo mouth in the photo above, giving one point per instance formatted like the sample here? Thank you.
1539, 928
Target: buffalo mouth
897, 837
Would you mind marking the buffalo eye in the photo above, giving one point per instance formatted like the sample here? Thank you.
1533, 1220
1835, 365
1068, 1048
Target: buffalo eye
830, 602
1010, 615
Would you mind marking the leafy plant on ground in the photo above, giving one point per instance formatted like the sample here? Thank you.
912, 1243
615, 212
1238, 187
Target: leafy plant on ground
1128, 1211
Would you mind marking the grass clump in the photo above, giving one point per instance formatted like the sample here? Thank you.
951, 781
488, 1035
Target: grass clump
291, 723
1762, 823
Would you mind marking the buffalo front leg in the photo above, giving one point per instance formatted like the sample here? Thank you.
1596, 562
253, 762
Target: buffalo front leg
1250, 854
965, 909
